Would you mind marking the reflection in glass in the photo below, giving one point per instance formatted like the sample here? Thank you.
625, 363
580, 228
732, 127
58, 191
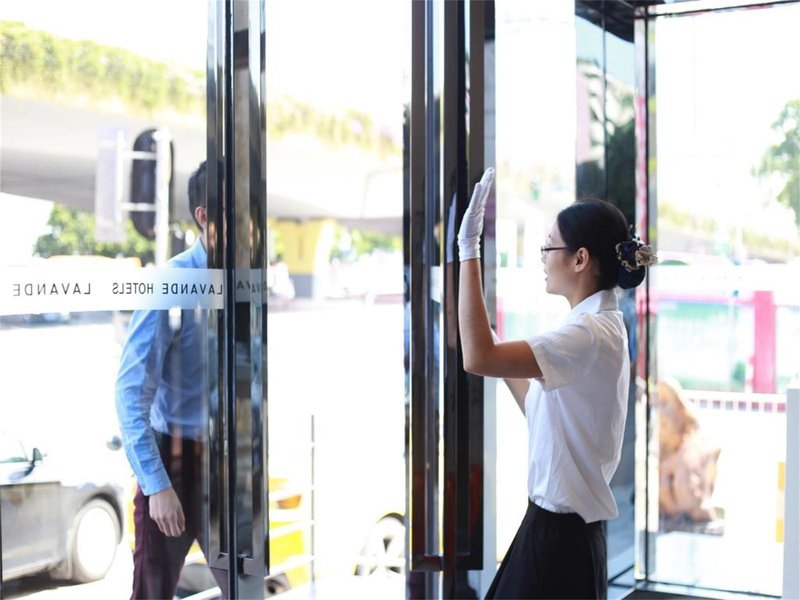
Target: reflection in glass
536, 150
68, 82
729, 241
162, 405
590, 151
535, 89
60, 471
620, 156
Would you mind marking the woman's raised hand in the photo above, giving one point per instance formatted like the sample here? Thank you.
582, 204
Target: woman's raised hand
469, 235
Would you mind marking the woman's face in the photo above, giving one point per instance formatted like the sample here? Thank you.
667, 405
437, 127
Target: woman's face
559, 278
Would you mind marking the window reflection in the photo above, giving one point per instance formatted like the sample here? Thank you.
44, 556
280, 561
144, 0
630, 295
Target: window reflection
70, 85
550, 150
728, 239
535, 158
591, 110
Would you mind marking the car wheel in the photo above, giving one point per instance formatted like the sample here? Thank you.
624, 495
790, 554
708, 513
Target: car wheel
383, 554
275, 585
94, 541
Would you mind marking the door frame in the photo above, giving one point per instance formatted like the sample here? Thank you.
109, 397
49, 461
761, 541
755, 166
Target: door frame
236, 204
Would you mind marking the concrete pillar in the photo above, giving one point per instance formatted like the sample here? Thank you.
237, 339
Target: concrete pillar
307, 248
764, 355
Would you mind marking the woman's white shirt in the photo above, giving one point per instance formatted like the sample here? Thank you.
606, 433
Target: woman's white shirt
576, 411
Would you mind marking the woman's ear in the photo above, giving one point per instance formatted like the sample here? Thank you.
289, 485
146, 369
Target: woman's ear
581, 260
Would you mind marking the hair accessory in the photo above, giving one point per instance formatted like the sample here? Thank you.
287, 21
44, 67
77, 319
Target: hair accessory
635, 254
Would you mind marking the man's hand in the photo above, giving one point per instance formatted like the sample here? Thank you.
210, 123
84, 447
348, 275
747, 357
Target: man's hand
469, 235
166, 511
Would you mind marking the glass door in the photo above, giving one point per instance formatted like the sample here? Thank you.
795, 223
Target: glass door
238, 514
723, 209
132, 329
336, 75
100, 110
451, 134
564, 130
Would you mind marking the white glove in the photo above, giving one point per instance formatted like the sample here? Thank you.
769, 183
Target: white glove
469, 235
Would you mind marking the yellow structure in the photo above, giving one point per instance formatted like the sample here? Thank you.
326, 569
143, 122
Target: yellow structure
306, 249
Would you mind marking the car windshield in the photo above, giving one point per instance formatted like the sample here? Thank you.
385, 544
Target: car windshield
11, 451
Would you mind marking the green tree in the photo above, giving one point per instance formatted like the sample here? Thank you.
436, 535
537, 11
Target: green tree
367, 242
783, 158
72, 233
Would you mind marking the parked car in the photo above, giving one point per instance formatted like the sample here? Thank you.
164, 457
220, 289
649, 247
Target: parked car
56, 518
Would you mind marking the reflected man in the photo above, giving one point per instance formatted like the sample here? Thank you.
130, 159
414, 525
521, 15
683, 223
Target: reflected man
161, 405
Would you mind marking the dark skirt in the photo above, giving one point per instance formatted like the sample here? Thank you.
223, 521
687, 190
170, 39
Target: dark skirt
553, 555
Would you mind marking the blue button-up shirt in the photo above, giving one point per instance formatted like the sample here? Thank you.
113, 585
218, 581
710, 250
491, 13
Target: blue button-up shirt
161, 383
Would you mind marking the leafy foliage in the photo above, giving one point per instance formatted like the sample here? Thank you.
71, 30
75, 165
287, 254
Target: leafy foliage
784, 157
64, 67
351, 243
288, 115
367, 242
72, 233
69, 70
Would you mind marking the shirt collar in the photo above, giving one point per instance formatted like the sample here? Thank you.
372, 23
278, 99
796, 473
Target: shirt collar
597, 302
198, 253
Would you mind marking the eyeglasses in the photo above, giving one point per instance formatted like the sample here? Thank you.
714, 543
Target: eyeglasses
546, 249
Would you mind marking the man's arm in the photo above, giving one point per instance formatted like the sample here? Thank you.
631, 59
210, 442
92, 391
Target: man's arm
140, 372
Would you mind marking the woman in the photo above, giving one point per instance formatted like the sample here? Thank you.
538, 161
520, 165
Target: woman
572, 386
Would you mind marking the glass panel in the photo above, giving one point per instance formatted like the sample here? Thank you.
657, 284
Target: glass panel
548, 153
335, 280
620, 188
590, 150
83, 323
536, 128
728, 242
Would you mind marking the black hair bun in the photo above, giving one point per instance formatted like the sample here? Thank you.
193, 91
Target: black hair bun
634, 257
630, 279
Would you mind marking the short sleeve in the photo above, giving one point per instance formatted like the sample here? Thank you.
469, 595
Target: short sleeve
564, 355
